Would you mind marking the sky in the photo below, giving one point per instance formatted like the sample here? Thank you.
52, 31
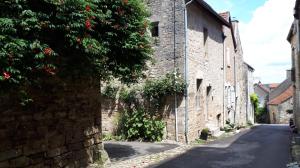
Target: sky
264, 26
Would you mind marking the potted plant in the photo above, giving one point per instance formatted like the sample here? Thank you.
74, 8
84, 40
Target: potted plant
204, 134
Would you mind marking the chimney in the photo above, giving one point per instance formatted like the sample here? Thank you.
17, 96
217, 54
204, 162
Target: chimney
289, 74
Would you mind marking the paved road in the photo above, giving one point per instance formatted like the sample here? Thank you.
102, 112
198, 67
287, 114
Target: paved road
119, 151
265, 146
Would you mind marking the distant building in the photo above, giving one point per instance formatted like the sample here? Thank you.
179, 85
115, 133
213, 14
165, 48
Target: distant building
281, 102
262, 92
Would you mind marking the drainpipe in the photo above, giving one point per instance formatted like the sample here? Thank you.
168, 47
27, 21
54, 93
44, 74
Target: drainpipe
235, 88
186, 69
224, 79
175, 73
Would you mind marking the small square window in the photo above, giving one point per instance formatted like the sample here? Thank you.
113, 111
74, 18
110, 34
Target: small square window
154, 29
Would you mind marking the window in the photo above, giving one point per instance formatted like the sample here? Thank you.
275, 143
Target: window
205, 35
154, 29
198, 93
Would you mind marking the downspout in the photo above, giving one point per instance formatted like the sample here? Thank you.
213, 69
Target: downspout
235, 88
175, 73
224, 79
186, 69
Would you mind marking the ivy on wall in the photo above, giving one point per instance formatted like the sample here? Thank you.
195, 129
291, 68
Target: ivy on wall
143, 117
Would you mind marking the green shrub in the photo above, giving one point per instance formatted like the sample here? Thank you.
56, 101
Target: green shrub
155, 90
110, 91
137, 125
261, 114
128, 95
204, 134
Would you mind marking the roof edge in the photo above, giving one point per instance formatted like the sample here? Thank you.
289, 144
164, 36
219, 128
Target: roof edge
213, 12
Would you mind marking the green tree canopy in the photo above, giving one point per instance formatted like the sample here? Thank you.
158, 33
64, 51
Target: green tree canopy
43, 38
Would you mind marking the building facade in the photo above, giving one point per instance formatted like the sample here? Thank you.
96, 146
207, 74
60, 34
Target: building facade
249, 87
205, 49
294, 38
263, 94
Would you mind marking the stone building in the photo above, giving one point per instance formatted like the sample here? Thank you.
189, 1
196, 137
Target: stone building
234, 101
263, 94
280, 103
193, 43
294, 39
249, 86
200, 62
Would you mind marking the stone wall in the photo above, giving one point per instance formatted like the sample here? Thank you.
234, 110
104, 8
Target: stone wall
278, 113
295, 53
62, 128
205, 63
230, 83
241, 85
169, 54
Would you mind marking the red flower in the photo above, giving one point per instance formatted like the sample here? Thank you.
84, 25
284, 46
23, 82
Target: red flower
88, 24
49, 70
87, 8
6, 75
48, 51
78, 40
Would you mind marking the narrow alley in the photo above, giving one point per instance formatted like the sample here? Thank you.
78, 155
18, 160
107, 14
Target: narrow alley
265, 146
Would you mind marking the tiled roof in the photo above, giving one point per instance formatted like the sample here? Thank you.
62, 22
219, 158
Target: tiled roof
263, 87
213, 12
283, 96
273, 85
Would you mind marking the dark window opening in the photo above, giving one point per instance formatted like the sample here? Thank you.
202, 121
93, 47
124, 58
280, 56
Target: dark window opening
208, 89
198, 92
154, 29
199, 81
205, 35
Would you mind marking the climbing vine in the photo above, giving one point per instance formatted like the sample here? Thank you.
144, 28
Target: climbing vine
40, 39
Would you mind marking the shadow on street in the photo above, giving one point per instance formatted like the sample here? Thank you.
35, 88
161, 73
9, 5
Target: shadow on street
265, 146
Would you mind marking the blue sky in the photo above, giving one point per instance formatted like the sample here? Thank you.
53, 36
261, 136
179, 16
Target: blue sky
264, 26
241, 9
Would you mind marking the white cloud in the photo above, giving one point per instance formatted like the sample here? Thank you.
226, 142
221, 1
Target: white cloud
264, 40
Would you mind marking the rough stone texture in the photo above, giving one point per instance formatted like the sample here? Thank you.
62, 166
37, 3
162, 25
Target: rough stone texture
230, 77
278, 113
249, 87
62, 128
205, 63
294, 39
234, 97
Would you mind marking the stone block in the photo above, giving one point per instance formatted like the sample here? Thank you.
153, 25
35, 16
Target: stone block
22, 161
100, 156
56, 152
75, 146
88, 142
91, 130
56, 140
4, 164
6, 155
